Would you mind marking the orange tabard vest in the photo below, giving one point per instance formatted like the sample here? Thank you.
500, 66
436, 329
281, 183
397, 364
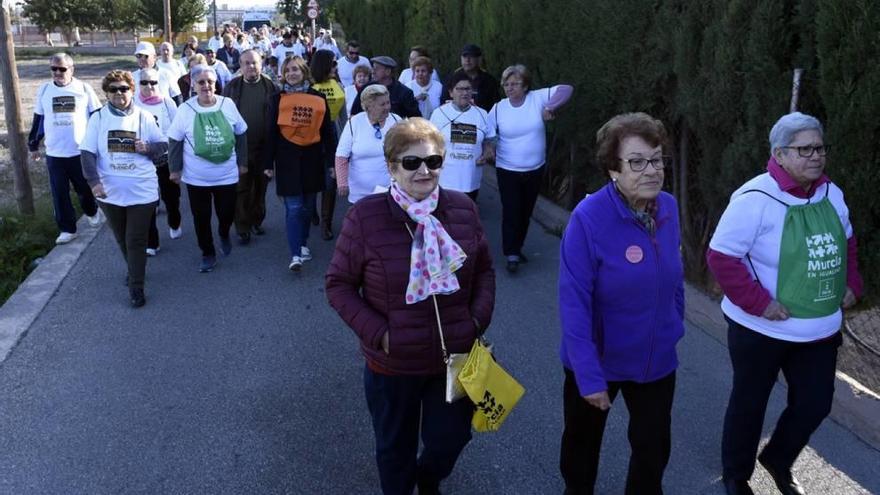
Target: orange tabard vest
300, 116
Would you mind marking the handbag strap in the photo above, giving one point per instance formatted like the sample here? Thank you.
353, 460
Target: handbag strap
436, 311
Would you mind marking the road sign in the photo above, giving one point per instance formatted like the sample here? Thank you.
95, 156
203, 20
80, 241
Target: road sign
313, 4
312, 13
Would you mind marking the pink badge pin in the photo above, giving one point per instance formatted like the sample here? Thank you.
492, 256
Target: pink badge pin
634, 254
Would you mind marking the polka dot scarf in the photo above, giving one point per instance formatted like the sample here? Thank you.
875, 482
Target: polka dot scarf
434, 256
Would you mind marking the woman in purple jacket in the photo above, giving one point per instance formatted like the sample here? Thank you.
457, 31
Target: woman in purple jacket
403, 259
621, 304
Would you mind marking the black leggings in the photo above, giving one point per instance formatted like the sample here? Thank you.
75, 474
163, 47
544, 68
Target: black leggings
519, 193
170, 194
200, 199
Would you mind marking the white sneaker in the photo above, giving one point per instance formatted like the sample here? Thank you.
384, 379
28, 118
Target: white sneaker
152, 252
65, 237
175, 233
295, 264
305, 253
96, 219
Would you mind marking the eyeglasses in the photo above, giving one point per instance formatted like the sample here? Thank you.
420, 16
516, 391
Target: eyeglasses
466, 89
412, 163
807, 151
640, 164
149, 83
205, 82
58, 69
141, 55
118, 89
354, 54
378, 129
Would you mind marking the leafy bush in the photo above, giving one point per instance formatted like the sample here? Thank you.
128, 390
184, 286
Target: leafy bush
22, 240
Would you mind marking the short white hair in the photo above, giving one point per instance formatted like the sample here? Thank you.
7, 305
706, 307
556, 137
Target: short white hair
783, 131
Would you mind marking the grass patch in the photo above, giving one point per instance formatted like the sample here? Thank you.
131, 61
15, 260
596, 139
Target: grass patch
22, 240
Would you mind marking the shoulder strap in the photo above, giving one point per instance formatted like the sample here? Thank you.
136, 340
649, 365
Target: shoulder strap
765, 193
497, 132
436, 312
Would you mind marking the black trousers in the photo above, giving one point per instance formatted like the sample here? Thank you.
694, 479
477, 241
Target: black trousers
200, 199
130, 226
62, 173
170, 194
519, 192
809, 370
650, 417
250, 204
402, 407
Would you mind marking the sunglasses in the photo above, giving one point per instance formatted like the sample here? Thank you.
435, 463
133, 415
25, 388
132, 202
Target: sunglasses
118, 89
412, 163
149, 83
58, 69
141, 55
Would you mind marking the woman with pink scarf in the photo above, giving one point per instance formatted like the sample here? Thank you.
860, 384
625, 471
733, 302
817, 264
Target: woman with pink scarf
406, 260
163, 109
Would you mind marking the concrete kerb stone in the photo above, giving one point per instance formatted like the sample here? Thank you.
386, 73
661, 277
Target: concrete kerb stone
856, 408
27, 302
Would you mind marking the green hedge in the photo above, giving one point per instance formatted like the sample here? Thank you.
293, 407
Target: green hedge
22, 240
718, 72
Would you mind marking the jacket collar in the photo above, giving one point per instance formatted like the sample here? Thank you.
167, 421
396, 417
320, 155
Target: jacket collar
788, 184
661, 215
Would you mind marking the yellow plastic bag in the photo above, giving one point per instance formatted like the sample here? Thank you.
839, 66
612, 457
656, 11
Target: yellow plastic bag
492, 389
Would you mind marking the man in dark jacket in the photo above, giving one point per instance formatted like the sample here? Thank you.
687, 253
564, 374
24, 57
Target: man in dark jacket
486, 88
251, 91
403, 102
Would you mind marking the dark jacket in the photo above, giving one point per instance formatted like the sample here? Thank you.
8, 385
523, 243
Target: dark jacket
488, 90
233, 92
403, 102
229, 56
368, 275
298, 169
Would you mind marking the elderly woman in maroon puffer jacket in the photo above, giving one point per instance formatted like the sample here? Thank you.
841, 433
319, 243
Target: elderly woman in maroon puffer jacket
397, 254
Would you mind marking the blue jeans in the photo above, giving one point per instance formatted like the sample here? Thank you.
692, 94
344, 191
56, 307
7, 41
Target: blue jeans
298, 212
62, 173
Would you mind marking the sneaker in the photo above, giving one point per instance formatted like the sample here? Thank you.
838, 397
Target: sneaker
208, 264
175, 233
305, 253
153, 251
295, 264
137, 297
96, 219
225, 246
65, 237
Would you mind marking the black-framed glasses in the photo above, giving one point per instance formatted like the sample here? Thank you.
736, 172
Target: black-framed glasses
55, 68
412, 163
141, 55
118, 89
378, 130
463, 89
149, 83
640, 164
807, 151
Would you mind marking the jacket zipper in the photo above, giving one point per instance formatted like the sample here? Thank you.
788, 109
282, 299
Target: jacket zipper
653, 330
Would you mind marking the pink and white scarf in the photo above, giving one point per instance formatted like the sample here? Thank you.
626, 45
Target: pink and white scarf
435, 255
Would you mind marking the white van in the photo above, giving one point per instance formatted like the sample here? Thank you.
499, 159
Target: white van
255, 20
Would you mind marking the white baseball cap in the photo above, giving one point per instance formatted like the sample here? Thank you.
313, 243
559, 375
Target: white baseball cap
145, 48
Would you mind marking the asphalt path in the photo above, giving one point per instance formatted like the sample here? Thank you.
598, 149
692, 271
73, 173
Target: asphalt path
245, 381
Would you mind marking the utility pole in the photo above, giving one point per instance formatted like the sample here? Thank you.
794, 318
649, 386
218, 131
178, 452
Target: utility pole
795, 90
24, 193
168, 34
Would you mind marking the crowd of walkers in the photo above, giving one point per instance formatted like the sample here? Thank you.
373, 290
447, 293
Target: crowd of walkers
412, 273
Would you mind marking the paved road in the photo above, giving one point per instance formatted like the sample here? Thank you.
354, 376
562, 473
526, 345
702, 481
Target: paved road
244, 381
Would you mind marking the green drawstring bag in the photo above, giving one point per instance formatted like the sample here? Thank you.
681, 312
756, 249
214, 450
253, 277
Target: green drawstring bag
214, 138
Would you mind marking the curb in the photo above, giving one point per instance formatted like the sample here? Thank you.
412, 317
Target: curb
855, 407
27, 302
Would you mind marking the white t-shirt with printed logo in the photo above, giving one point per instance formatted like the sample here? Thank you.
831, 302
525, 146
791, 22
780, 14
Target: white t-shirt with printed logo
752, 225
167, 82
65, 111
129, 178
464, 133
164, 111
366, 167
522, 140
196, 170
